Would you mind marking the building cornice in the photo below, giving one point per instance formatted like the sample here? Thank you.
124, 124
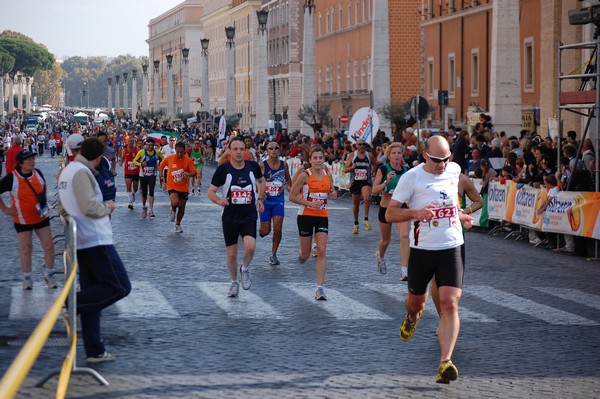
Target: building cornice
457, 14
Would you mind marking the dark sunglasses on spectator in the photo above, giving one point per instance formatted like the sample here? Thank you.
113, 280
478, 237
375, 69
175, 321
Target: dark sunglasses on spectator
438, 160
360, 145
272, 148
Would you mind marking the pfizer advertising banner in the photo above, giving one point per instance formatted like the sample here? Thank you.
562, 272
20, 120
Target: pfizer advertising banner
363, 125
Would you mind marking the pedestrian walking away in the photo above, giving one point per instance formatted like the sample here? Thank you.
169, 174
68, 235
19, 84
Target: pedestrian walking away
148, 160
29, 210
277, 177
362, 166
431, 190
311, 190
103, 279
179, 168
385, 182
240, 182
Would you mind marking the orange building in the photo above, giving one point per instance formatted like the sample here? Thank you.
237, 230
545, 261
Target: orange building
459, 57
343, 53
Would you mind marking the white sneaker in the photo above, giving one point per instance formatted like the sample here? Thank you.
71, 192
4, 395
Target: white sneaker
172, 215
49, 279
27, 283
234, 290
535, 241
178, 229
245, 277
105, 357
381, 266
313, 252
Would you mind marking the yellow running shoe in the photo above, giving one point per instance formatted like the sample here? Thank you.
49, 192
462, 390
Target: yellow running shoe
407, 329
367, 225
447, 372
355, 229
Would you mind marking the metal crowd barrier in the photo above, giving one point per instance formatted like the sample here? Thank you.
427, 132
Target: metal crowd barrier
19, 369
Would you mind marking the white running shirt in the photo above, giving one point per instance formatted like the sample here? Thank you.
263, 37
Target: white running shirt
420, 188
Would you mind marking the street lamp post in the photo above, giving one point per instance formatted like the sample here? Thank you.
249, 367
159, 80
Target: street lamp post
309, 81
134, 106
261, 92
156, 87
185, 92
11, 96
145, 87
2, 98
110, 104
205, 100
230, 96
170, 99
125, 94
117, 90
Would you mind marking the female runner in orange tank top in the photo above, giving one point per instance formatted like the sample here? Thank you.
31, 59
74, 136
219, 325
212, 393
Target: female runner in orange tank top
311, 190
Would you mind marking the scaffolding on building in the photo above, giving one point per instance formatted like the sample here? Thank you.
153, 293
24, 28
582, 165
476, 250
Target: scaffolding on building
584, 102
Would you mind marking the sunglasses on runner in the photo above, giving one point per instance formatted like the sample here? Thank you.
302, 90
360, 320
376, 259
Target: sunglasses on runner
438, 160
272, 148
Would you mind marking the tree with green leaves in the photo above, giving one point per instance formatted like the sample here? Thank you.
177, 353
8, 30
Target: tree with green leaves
398, 115
28, 55
314, 114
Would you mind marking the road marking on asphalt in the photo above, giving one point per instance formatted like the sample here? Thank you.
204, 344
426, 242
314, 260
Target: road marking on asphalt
145, 301
246, 306
338, 305
31, 304
526, 306
398, 292
573, 295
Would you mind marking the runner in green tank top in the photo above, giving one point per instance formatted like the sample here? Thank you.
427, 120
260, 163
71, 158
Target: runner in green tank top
385, 182
197, 156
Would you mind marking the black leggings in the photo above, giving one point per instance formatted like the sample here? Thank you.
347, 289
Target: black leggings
147, 184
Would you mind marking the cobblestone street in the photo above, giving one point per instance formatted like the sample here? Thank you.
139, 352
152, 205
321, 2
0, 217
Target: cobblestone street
530, 317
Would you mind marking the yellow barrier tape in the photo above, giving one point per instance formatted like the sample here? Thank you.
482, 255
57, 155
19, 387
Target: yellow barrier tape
65, 372
20, 367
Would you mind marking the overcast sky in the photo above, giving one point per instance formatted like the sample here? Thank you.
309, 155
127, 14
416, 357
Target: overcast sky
83, 27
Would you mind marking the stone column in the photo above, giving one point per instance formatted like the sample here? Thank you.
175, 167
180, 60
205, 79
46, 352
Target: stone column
170, 94
117, 92
156, 86
185, 92
505, 74
261, 94
205, 83
380, 61
125, 94
230, 94
28, 82
11, 96
309, 64
134, 107
145, 105
20, 94
110, 104
2, 80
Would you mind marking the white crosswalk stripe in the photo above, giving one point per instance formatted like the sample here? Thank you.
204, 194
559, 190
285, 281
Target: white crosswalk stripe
526, 306
247, 305
145, 301
31, 304
398, 292
570, 294
338, 305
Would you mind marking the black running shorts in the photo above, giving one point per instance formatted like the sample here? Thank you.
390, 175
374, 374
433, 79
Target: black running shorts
446, 265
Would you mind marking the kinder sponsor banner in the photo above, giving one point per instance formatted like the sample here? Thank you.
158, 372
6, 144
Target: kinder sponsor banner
340, 180
363, 125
